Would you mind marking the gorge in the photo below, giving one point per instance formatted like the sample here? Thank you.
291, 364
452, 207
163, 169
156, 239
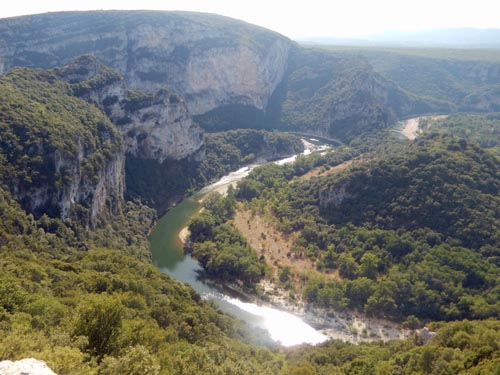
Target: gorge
110, 119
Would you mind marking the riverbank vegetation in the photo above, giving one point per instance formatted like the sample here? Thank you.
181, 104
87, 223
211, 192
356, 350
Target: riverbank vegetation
86, 298
403, 262
412, 233
483, 129
464, 347
90, 302
162, 184
402, 230
221, 250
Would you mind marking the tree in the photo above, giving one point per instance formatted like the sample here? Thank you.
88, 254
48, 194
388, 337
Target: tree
136, 361
382, 302
369, 265
99, 318
201, 226
347, 266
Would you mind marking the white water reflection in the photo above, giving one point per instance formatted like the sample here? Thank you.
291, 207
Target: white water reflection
283, 327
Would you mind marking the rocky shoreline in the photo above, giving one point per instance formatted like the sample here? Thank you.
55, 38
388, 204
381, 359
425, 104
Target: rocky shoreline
347, 326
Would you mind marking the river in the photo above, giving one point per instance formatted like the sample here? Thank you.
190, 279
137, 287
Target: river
168, 256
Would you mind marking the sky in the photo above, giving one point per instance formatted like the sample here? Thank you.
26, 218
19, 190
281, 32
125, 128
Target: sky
299, 19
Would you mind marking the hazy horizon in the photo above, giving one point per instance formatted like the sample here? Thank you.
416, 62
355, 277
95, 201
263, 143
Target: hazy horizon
357, 19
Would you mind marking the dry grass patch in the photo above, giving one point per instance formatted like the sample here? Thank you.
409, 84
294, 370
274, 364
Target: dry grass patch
320, 171
273, 245
268, 241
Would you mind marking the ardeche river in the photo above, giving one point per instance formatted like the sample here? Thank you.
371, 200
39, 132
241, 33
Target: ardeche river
169, 257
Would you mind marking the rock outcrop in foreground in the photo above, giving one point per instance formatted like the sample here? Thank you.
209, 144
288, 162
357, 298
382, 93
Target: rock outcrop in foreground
27, 366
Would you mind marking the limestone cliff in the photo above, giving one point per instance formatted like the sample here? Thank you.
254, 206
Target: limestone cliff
467, 80
60, 155
211, 61
329, 197
154, 126
101, 191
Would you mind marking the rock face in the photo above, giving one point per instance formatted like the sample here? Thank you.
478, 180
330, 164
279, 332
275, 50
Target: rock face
211, 61
334, 197
159, 127
227, 74
466, 80
63, 156
103, 191
27, 366
154, 126
106, 193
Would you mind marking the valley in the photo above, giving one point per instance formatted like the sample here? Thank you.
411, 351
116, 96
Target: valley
271, 299
375, 255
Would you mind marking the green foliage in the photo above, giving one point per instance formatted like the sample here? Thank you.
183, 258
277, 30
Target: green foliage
136, 361
99, 319
457, 79
221, 250
412, 232
71, 303
341, 95
90, 302
84, 67
482, 129
459, 348
442, 183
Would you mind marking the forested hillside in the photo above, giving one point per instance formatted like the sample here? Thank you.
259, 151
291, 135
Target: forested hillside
87, 299
483, 129
403, 231
459, 348
342, 96
56, 149
410, 233
464, 79
376, 232
84, 301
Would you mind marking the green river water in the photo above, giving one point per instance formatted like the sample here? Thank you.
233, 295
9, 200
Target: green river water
169, 257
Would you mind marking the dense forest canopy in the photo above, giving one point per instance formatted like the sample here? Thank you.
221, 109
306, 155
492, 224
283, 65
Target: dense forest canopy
413, 232
88, 300
483, 129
